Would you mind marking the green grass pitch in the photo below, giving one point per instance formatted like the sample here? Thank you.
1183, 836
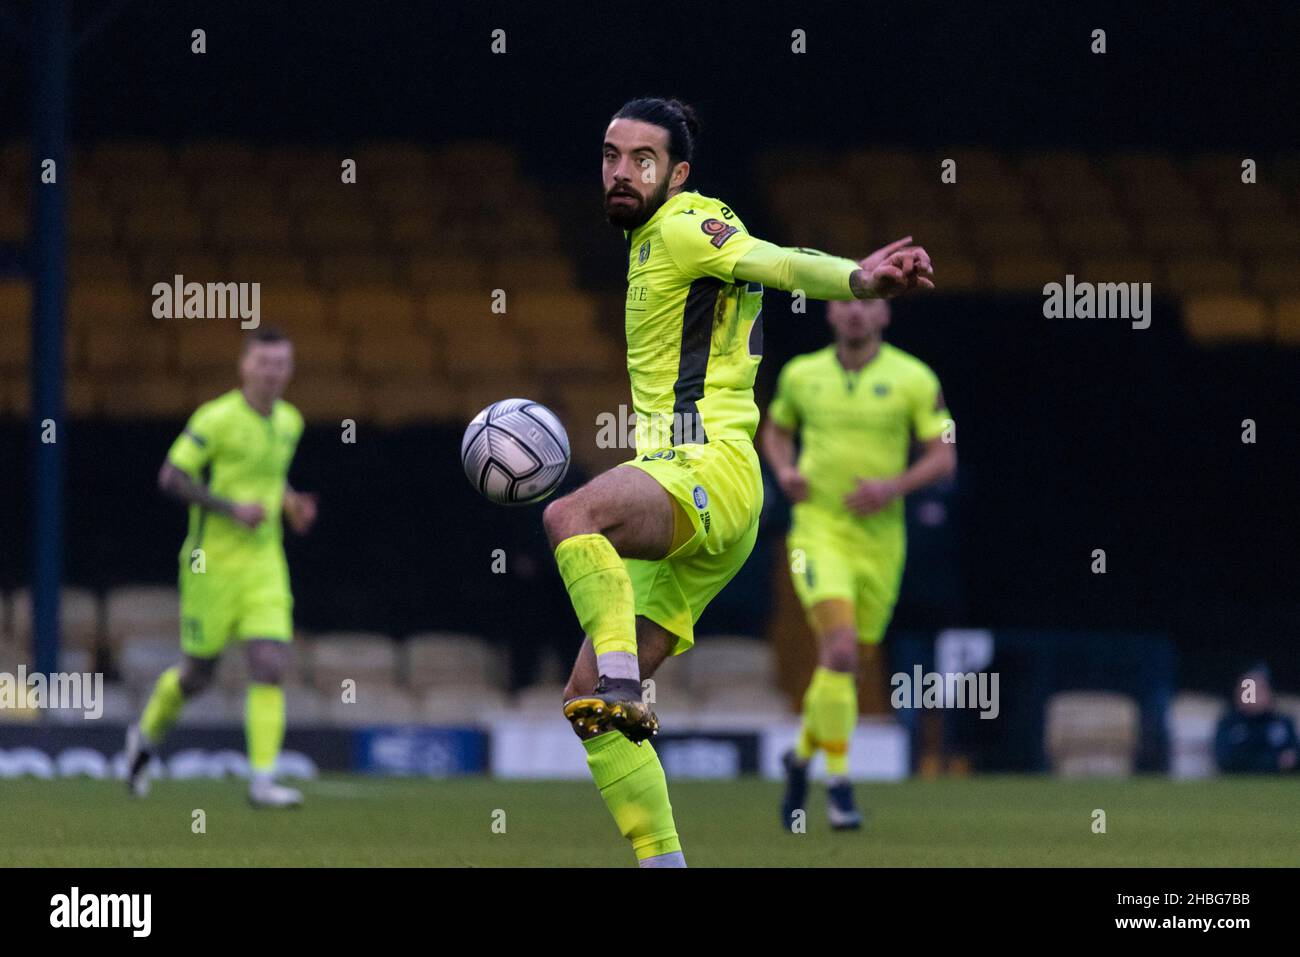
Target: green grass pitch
360, 821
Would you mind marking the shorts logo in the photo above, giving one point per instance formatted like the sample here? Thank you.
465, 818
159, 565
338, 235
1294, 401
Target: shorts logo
644, 254
664, 454
700, 496
718, 230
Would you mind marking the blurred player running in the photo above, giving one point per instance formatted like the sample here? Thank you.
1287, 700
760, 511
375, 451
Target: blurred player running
856, 406
644, 547
231, 467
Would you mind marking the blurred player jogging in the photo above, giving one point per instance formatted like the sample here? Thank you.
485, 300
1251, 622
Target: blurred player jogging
231, 466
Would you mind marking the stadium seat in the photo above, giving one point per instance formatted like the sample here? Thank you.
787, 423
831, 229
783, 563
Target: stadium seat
493, 349
157, 225
372, 309
272, 268
996, 234
407, 227
143, 657
381, 352
204, 345
1024, 273
1093, 235
1091, 733
90, 218
80, 623
1216, 318
1286, 321
205, 160
1273, 233
447, 274
462, 706
1199, 274
1276, 275
319, 228
1181, 234
533, 272
142, 610
720, 661
215, 707
1191, 721
327, 398
541, 700
1117, 269
320, 350
131, 159
375, 704
340, 269
287, 302
447, 659
98, 304
241, 227
98, 263
553, 311
112, 351
368, 658
158, 396
398, 401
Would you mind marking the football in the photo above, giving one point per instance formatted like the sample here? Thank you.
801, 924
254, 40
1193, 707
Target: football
515, 452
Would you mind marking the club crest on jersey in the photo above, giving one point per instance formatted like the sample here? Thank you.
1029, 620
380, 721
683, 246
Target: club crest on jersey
644, 254
700, 496
882, 389
719, 231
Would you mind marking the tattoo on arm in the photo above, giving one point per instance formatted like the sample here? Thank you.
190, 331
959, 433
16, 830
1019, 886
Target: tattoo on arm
180, 486
860, 284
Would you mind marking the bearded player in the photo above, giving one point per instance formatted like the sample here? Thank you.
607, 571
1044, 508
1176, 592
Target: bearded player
231, 467
856, 407
644, 547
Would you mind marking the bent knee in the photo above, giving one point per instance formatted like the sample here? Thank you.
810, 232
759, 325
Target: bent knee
196, 676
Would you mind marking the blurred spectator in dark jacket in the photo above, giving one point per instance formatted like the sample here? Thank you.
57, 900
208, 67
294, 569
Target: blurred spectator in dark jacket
1253, 738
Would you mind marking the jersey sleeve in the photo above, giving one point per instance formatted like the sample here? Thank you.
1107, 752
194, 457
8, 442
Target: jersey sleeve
784, 409
194, 447
929, 408
702, 244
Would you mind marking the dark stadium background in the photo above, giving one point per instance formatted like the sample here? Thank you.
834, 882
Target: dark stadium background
1074, 435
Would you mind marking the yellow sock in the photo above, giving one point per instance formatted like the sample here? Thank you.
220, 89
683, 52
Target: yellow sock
632, 783
835, 712
806, 746
600, 590
264, 725
164, 706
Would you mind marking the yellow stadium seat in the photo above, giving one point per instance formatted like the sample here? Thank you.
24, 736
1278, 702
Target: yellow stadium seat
15, 303
1273, 232
1217, 318
1286, 321
381, 352
398, 401
957, 273
411, 227
117, 350
320, 228
1179, 233
1197, 274
534, 272
327, 398
134, 193
15, 344
320, 351
448, 310
90, 219
1024, 272
204, 160
163, 265
150, 397
1007, 233
446, 273
242, 226
375, 308
269, 267
1093, 234
1276, 274
157, 225
350, 268
208, 344
132, 159
571, 312
247, 190
96, 303
98, 264
1117, 269
491, 349
288, 304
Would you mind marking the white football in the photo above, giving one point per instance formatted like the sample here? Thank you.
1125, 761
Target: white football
515, 452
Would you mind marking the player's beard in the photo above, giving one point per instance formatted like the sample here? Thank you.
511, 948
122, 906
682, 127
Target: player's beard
631, 217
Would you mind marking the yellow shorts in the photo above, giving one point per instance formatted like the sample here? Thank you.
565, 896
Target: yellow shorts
255, 602
720, 487
829, 562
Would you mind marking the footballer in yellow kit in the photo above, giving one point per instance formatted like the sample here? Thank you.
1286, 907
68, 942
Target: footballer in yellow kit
857, 407
644, 547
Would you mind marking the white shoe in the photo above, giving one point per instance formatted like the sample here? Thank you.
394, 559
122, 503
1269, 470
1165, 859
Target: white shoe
263, 792
137, 763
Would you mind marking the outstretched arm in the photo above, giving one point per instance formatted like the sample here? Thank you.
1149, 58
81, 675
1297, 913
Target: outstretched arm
887, 272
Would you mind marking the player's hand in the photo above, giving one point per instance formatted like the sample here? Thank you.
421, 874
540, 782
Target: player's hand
300, 510
897, 268
792, 483
871, 495
248, 514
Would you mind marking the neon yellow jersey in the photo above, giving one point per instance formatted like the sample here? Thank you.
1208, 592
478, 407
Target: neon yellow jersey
694, 334
856, 425
242, 456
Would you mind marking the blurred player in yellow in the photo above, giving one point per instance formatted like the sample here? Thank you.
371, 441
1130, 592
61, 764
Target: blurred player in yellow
856, 407
231, 467
644, 547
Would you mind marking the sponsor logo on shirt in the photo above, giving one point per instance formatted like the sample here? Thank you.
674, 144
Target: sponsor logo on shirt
718, 230
644, 254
